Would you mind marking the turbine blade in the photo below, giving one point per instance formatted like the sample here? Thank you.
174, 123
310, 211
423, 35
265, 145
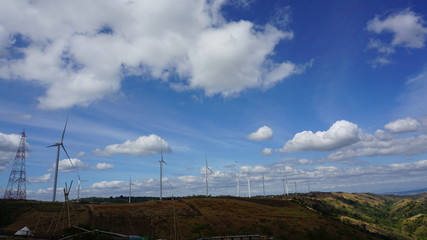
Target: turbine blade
62, 145
210, 170
53, 145
77, 170
70, 185
63, 132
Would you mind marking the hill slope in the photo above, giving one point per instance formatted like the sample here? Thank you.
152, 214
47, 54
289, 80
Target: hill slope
191, 218
390, 215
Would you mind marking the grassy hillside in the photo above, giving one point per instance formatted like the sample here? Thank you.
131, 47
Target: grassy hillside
313, 216
404, 215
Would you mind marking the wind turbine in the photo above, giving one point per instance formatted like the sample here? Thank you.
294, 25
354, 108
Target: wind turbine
238, 179
59, 145
78, 186
249, 187
263, 184
161, 171
308, 183
130, 188
206, 175
295, 188
284, 191
285, 187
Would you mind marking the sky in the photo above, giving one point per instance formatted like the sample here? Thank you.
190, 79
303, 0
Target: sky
328, 95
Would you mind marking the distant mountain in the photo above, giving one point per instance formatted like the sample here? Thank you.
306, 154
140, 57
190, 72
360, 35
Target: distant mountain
410, 192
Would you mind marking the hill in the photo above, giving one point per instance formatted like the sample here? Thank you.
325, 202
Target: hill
385, 214
315, 216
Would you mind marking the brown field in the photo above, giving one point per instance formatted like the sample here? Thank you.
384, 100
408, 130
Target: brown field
186, 218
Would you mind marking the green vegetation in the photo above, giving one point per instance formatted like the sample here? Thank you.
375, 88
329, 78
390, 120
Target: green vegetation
403, 215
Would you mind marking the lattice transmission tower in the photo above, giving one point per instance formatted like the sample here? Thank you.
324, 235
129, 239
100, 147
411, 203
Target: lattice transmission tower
16, 187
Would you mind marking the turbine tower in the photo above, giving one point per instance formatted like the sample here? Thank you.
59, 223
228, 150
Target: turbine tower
249, 187
285, 187
130, 189
59, 145
161, 172
16, 186
206, 175
78, 187
263, 184
238, 179
284, 191
295, 187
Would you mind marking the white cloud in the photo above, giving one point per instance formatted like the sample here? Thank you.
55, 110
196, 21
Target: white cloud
4, 37
263, 133
143, 146
8, 145
403, 125
412, 100
80, 154
256, 169
406, 26
327, 168
380, 61
381, 47
407, 29
40, 179
69, 165
82, 58
189, 179
340, 134
305, 161
382, 146
104, 166
267, 151
232, 58
109, 184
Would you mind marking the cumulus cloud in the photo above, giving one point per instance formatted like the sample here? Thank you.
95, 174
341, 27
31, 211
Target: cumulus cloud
143, 146
342, 133
263, 133
188, 43
403, 125
104, 166
69, 165
8, 145
267, 151
40, 179
407, 29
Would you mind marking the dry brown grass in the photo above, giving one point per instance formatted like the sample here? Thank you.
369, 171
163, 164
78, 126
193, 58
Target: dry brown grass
190, 218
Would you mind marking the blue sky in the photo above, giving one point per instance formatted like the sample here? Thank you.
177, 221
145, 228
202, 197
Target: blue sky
327, 92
